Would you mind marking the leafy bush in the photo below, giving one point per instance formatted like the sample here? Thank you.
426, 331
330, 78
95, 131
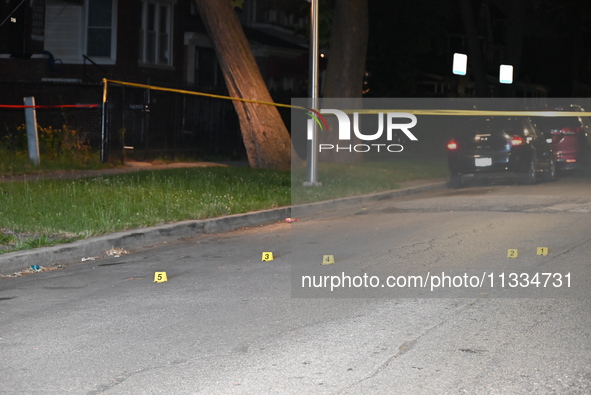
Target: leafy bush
64, 143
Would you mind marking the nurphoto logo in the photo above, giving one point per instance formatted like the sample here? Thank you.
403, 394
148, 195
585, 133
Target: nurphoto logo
390, 119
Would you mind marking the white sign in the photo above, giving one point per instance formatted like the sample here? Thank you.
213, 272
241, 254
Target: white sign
506, 74
460, 64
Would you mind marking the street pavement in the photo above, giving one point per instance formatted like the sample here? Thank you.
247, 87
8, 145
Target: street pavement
227, 322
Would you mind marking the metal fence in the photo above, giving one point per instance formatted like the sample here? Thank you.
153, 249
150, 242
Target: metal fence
87, 121
141, 124
145, 124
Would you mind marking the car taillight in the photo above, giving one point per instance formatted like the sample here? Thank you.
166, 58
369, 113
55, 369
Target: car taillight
516, 140
452, 145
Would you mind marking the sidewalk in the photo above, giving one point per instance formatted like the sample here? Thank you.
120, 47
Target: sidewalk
137, 238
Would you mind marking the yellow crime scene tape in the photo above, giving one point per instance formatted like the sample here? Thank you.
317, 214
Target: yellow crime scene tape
540, 113
160, 88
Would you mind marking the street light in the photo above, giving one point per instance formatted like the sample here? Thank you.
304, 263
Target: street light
312, 174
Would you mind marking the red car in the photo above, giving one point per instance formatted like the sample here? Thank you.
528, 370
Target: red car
571, 139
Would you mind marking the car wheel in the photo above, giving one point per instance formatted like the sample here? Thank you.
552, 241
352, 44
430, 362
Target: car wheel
455, 181
529, 178
551, 173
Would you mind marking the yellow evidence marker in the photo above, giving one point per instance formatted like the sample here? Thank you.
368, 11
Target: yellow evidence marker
328, 259
542, 251
267, 256
512, 253
160, 277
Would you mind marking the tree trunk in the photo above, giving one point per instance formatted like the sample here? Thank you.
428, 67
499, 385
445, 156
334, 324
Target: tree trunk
517, 20
348, 48
475, 56
267, 141
345, 69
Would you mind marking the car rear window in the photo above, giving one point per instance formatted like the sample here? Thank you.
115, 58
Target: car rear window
493, 125
550, 123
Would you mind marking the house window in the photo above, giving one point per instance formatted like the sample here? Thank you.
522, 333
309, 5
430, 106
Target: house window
207, 70
156, 32
99, 29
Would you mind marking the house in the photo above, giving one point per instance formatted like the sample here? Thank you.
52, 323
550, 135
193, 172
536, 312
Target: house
60, 50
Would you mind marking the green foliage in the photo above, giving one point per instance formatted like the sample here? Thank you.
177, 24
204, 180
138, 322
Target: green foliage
53, 143
60, 149
6, 239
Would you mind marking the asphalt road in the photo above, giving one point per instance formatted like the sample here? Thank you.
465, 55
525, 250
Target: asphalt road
228, 322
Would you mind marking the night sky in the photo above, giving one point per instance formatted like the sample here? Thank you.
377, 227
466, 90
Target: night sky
413, 41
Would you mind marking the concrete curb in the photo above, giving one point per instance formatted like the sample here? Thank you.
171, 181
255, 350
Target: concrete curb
335, 204
137, 238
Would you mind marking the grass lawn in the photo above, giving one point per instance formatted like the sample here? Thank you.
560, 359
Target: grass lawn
15, 163
341, 180
46, 212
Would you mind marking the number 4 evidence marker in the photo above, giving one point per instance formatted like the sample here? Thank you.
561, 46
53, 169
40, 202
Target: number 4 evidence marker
328, 259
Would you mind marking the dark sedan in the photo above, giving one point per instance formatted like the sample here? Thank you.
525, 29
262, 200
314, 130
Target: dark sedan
499, 147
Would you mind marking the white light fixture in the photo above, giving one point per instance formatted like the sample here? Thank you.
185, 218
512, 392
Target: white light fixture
506, 74
460, 64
